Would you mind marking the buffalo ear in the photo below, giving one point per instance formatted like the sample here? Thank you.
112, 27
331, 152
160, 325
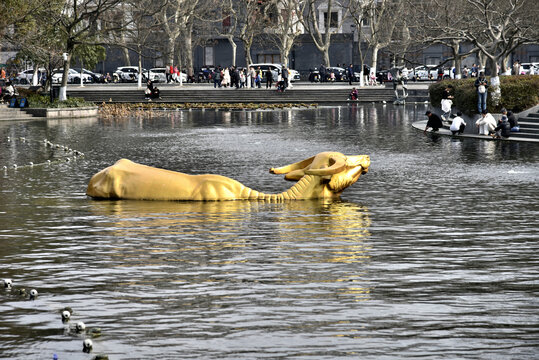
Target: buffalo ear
296, 166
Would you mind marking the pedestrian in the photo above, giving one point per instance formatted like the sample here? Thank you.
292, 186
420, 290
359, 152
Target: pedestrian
447, 102
322, 73
458, 124
236, 77
486, 123
3, 74
217, 77
350, 74
481, 84
465, 72
474, 70
226, 78
440, 73
169, 73
285, 76
252, 75
242, 78
433, 122
269, 79
516, 68
258, 77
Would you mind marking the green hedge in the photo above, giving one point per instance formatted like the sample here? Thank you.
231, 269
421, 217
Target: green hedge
42, 100
518, 93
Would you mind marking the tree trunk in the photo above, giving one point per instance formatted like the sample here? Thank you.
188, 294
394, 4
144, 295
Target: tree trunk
139, 80
81, 72
495, 81
326, 57
127, 60
457, 60
62, 96
234, 47
248, 58
188, 52
34, 77
170, 52
374, 58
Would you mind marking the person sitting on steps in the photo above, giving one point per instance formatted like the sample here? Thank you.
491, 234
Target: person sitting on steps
353, 94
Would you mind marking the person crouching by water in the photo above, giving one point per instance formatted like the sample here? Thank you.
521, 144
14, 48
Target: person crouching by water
152, 92
503, 130
353, 94
458, 124
486, 123
434, 122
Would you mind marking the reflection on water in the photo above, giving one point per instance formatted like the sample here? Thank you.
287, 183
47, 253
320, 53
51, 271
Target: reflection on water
431, 254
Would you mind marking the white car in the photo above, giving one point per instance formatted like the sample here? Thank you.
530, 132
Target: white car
275, 70
162, 75
73, 77
26, 76
130, 74
422, 72
526, 67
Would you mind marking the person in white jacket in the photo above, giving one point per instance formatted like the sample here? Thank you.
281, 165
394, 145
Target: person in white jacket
458, 124
486, 123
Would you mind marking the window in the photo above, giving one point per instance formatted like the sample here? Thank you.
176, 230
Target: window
226, 21
333, 20
208, 56
269, 58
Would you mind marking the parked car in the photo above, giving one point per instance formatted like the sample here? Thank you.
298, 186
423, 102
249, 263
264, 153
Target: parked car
161, 75
340, 74
275, 70
96, 77
526, 67
26, 76
422, 72
130, 74
73, 77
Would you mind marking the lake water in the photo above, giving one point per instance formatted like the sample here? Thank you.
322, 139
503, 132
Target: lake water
432, 254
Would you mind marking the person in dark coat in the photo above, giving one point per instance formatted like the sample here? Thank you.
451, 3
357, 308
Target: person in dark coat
434, 122
269, 79
512, 120
503, 130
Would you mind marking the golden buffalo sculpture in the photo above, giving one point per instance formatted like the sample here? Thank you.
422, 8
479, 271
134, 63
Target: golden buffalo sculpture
324, 175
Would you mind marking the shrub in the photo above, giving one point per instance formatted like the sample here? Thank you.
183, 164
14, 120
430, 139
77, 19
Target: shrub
517, 93
42, 100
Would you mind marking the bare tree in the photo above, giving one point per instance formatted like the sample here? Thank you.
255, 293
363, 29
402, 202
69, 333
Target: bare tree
441, 22
322, 24
252, 17
144, 27
285, 17
74, 23
178, 18
381, 17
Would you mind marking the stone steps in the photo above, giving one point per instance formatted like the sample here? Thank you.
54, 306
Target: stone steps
245, 95
8, 114
529, 126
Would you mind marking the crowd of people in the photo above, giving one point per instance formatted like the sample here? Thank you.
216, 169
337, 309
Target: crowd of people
237, 77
